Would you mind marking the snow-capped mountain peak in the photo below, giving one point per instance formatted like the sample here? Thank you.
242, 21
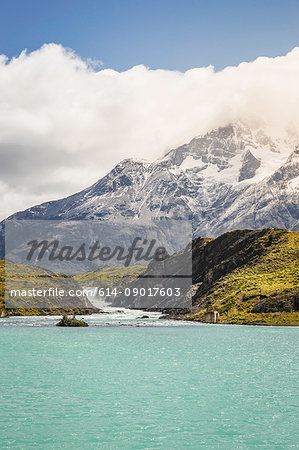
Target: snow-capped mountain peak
231, 177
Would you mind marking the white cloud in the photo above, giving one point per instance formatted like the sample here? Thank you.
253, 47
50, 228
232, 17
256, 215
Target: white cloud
63, 124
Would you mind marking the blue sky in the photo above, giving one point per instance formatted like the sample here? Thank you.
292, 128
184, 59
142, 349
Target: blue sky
169, 34
74, 125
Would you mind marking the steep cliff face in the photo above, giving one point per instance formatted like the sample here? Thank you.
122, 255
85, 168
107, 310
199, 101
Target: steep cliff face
271, 202
248, 276
230, 178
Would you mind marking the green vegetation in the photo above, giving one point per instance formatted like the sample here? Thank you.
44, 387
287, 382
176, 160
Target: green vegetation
263, 292
111, 275
26, 277
249, 276
71, 322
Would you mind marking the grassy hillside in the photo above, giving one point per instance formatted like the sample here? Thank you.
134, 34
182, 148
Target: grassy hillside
40, 279
27, 277
111, 275
262, 288
248, 276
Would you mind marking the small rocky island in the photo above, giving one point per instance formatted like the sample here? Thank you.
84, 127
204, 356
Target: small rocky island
71, 322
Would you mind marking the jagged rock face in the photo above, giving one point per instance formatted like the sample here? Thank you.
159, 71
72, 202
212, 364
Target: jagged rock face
249, 166
230, 178
270, 202
262, 253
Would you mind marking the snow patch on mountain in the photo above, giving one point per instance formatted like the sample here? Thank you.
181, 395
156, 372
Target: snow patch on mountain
232, 177
294, 183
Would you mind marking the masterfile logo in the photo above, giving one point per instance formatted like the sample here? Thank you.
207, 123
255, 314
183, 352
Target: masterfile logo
145, 251
54, 262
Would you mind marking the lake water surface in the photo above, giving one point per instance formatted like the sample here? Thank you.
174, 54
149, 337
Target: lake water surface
136, 383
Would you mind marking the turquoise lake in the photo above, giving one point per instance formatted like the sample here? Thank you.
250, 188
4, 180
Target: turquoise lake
129, 383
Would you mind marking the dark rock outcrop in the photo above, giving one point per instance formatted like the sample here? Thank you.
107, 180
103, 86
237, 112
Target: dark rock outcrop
71, 322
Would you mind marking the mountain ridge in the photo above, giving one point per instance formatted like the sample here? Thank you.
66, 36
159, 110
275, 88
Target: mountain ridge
248, 276
230, 178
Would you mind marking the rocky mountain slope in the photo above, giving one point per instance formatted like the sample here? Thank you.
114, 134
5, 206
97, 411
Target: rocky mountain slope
230, 178
248, 276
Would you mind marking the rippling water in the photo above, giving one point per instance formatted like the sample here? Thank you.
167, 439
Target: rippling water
136, 383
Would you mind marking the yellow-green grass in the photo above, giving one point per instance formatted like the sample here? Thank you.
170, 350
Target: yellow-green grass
273, 275
27, 277
110, 275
